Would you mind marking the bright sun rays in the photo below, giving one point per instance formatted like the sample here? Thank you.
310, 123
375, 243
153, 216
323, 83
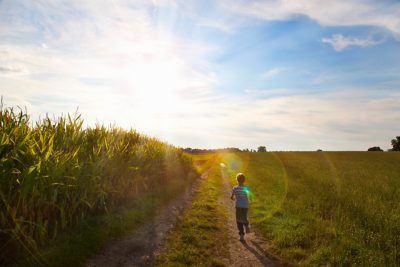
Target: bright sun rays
155, 86
208, 74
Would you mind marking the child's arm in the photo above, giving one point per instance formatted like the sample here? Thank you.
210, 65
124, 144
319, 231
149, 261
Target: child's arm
233, 196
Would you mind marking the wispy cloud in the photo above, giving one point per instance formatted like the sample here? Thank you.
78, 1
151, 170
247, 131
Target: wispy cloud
9, 67
340, 42
268, 93
330, 120
13, 70
342, 116
220, 25
270, 73
330, 13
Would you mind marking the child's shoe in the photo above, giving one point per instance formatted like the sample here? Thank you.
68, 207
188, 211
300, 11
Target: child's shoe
241, 238
248, 230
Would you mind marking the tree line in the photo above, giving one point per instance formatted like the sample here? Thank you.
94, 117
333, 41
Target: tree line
395, 145
222, 150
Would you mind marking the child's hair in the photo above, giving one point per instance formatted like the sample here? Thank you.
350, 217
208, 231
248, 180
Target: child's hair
240, 178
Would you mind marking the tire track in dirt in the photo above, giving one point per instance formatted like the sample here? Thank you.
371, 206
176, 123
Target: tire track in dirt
140, 248
248, 253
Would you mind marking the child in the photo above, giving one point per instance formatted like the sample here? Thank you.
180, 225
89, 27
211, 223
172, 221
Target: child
240, 193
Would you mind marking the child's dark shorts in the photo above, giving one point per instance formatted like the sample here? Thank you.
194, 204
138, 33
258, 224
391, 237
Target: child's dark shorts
241, 215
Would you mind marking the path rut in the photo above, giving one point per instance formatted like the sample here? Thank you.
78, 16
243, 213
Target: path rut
141, 247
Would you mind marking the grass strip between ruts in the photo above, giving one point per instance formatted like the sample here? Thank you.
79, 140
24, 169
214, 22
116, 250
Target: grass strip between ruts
201, 235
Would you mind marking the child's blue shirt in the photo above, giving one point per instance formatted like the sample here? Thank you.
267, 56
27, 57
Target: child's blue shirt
241, 197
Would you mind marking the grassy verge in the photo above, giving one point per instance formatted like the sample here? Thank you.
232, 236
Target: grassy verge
326, 208
73, 247
201, 235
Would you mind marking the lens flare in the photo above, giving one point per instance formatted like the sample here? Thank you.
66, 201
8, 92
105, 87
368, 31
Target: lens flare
235, 162
246, 190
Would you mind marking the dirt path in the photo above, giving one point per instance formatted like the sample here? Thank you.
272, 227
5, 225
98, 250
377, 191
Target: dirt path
139, 248
252, 251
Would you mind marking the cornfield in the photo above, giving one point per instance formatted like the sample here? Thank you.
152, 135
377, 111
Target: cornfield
54, 173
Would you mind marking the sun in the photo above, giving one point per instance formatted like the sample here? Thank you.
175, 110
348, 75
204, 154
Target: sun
156, 86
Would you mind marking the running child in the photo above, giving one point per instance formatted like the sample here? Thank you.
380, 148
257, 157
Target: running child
240, 193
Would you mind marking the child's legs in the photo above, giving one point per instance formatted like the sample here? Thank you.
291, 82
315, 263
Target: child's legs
241, 219
240, 228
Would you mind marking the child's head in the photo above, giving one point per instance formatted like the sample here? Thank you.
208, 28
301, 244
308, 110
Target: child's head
240, 178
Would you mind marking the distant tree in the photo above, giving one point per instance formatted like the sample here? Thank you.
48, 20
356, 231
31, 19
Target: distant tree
375, 148
261, 149
396, 144
319, 150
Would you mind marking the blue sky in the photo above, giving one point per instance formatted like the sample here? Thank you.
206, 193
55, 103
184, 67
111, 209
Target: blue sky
290, 75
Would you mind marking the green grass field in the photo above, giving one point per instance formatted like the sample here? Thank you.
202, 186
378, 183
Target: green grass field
326, 208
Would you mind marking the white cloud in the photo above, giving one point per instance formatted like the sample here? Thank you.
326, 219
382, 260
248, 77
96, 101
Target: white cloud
10, 69
340, 42
348, 118
220, 25
270, 73
331, 13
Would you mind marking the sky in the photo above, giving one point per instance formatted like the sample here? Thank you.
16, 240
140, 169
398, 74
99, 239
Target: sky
285, 74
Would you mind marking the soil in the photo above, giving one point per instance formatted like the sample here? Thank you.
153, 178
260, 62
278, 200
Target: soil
140, 247
252, 251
